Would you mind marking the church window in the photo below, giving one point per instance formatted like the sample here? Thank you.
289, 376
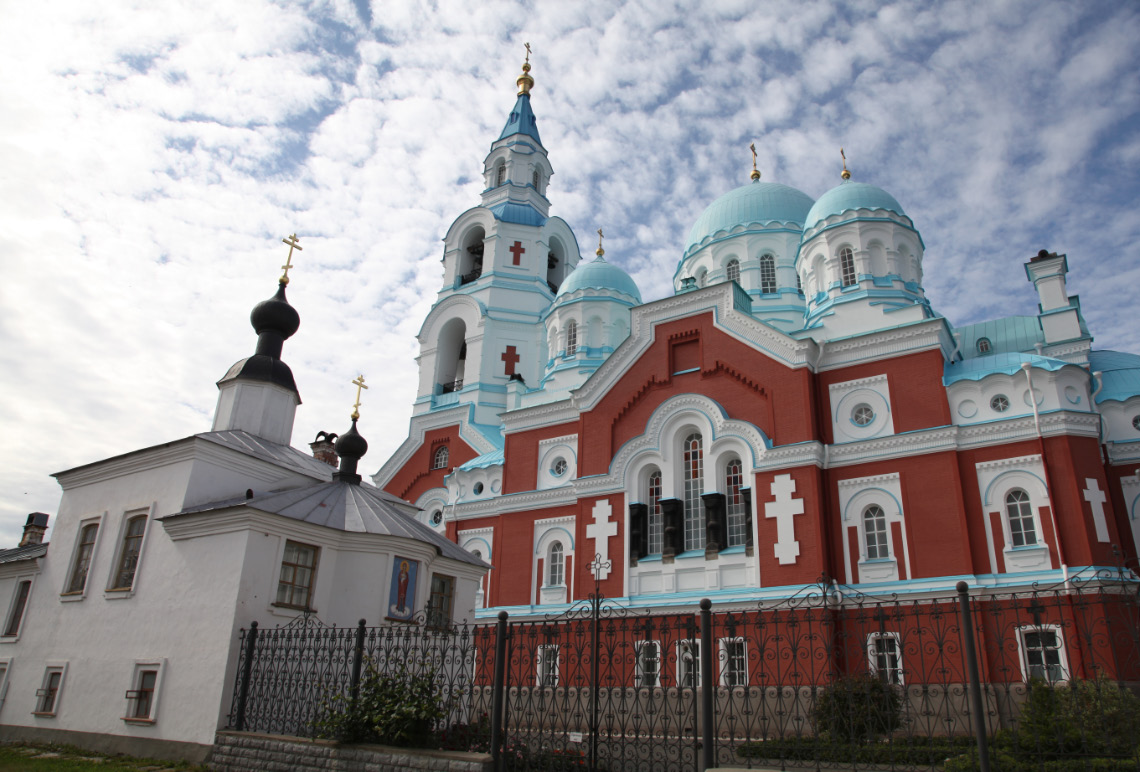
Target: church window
536, 179
559, 467
653, 500
19, 604
547, 661
648, 670
439, 461
501, 175
1043, 653
1000, 403
142, 696
732, 270
799, 284
689, 664
884, 654
298, 570
1136, 422
701, 274
440, 601
82, 560
767, 274
556, 565
129, 553
694, 478
984, 346
1022, 529
437, 517
733, 662
47, 696
875, 533
571, 338
862, 414
734, 502
847, 267
478, 488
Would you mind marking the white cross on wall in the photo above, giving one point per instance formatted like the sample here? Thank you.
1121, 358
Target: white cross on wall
1096, 498
784, 509
600, 531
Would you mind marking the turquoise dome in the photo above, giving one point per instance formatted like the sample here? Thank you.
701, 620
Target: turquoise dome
600, 275
1120, 374
848, 196
757, 203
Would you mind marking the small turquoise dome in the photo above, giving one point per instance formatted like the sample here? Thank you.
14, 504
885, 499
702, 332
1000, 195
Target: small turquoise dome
757, 203
1120, 374
848, 196
600, 275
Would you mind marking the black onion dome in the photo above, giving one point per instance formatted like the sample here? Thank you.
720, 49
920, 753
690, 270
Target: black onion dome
351, 444
275, 315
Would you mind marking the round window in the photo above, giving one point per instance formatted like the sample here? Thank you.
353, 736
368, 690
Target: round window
1000, 403
436, 517
862, 414
1136, 422
559, 467
478, 488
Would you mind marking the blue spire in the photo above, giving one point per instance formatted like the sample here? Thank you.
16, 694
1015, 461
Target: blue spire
522, 120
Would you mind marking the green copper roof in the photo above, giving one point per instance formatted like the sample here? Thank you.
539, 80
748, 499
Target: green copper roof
756, 204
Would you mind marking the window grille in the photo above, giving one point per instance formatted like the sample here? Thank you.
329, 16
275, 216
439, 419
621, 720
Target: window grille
1022, 529
875, 528
847, 267
767, 274
732, 270
556, 570
129, 559
571, 338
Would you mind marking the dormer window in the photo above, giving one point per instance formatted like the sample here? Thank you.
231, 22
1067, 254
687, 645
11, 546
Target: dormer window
984, 346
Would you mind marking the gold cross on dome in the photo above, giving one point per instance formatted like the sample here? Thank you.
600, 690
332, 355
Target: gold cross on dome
846, 174
600, 251
294, 243
755, 172
527, 52
359, 384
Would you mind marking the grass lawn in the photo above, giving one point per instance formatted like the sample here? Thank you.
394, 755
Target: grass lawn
54, 758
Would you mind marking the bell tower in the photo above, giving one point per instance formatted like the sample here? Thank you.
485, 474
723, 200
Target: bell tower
503, 262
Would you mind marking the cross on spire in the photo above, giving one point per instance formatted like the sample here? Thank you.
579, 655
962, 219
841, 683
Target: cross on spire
294, 243
755, 171
359, 384
846, 174
527, 52
600, 251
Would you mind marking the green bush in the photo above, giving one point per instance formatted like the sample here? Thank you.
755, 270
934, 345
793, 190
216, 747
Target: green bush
859, 709
1090, 718
393, 708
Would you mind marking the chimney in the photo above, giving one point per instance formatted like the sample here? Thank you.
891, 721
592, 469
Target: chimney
34, 529
324, 449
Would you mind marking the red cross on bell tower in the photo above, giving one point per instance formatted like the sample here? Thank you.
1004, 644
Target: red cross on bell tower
511, 359
518, 251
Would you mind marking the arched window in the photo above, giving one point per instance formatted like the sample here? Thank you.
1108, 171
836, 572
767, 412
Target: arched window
534, 178
847, 267
501, 176
767, 274
556, 565
984, 346
694, 478
732, 270
734, 502
875, 533
653, 500
1022, 530
571, 338
701, 274
799, 284
439, 461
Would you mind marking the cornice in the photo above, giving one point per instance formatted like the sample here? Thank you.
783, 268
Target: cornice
1006, 463
844, 385
1053, 424
537, 416
516, 502
1123, 452
456, 415
129, 463
863, 482
897, 341
784, 456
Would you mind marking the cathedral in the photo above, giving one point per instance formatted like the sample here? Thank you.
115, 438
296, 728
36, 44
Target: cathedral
797, 411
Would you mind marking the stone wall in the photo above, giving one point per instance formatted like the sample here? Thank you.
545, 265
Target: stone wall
248, 752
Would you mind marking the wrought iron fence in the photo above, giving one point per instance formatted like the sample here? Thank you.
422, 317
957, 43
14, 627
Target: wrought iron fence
830, 678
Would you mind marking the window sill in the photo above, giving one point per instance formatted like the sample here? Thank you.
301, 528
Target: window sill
38, 714
72, 597
119, 593
139, 721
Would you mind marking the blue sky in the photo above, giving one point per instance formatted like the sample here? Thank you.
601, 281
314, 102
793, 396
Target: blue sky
152, 155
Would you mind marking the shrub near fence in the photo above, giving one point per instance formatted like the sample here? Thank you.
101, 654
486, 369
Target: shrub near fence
604, 686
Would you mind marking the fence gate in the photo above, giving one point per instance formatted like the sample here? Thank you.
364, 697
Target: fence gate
602, 687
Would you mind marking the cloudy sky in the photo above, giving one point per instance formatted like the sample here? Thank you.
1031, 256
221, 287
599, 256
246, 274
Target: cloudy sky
153, 154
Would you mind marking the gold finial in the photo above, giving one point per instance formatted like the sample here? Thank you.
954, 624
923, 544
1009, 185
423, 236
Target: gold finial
294, 243
359, 384
755, 171
600, 251
846, 174
525, 82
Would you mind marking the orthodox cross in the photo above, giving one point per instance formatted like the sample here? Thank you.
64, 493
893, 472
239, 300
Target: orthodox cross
846, 174
517, 251
600, 251
359, 384
294, 243
599, 568
511, 359
755, 171
527, 52
1096, 499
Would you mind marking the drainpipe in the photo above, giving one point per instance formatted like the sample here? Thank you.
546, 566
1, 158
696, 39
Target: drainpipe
1048, 480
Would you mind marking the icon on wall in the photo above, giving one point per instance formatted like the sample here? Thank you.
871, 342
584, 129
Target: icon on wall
402, 592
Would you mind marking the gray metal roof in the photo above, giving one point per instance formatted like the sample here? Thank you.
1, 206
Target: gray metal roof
345, 507
23, 553
282, 455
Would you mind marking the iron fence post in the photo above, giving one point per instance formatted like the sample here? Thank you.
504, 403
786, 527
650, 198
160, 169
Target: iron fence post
246, 673
357, 660
975, 679
497, 690
707, 755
